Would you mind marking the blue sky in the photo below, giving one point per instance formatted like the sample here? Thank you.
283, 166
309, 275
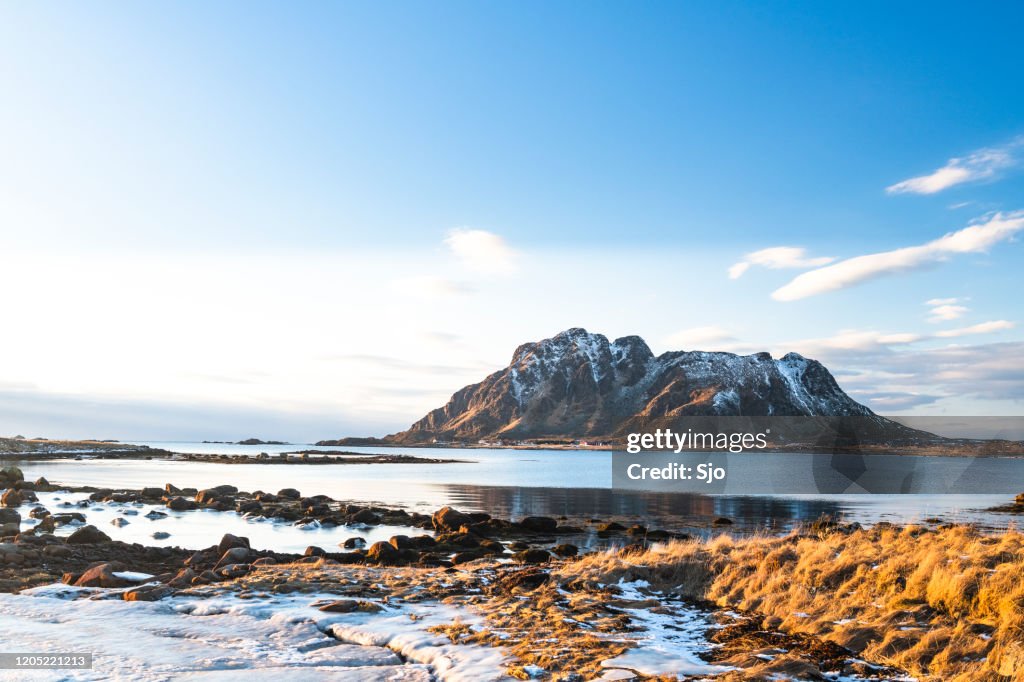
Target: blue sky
306, 167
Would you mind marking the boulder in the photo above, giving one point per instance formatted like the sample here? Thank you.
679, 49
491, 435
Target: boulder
353, 543
350, 606
47, 525
722, 521
87, 535
11, 498
152, 493
289, 493
12, 474
161, 535
148, 593
65, 518
449, 519
383, 553
565, 550
228, 541
183, 579
154, 515
532, 556
539, 524
365, 516
120, 522
9, 516
232, 571
101, 575
180, 504
233, 555
400, 542
313, 550
38, 512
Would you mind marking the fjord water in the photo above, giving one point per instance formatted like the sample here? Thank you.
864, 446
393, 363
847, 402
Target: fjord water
515, 483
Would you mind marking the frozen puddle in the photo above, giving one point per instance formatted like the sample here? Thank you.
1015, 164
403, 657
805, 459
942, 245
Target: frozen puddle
669, 643
227, 638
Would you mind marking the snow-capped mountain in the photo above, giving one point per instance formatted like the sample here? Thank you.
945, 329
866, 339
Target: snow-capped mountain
581, 385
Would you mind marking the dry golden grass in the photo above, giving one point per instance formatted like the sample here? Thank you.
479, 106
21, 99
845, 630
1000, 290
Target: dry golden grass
943, 604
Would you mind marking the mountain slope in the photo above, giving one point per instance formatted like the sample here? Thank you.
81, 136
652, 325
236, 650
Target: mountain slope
580, 385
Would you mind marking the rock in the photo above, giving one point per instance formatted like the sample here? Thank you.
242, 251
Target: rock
47, 525
57, 551
225, 490
350, 606
154, 515
183, 579
11, 498
722, 521
119, 522
12, 474
449, 519
148, 593
531, 556
539, 524
10, 516
249, 507
180, 504
383, 553
232, 571
172, 489
637, 530
353, 543
68, 517
610, 528
101, 575
289, 493
152, 493
265, 561
233, 555
209, 497
565, 550
9, 529
38, 512
522, 581
228, 541
365, 516
42, 483
400, 542
313, 550
87, 535
161, 535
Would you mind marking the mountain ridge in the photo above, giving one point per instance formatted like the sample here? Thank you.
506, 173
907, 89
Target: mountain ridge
578, 384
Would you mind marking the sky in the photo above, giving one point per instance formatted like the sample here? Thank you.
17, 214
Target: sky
224, 220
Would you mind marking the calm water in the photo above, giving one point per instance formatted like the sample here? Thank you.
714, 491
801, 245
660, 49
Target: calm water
513, 483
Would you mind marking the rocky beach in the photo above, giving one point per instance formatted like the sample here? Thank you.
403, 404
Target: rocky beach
465, 596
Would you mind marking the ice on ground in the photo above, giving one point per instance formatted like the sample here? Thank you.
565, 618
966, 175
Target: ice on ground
668, 644
227, 638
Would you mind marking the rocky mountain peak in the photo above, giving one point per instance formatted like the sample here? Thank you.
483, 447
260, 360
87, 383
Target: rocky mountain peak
578, 384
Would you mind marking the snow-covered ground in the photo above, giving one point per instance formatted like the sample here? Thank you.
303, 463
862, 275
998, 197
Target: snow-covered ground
282, 637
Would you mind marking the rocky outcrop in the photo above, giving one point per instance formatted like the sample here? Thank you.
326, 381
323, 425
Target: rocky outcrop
581, 385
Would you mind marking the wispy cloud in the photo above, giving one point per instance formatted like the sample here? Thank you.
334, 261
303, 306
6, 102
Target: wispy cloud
482, 251
982, 328
976, 238
777, 258
704, 338
980, 165
945, 309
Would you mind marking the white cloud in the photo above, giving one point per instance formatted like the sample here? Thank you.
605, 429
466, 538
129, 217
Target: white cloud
701, 337
777, 258
973, 239
945, 309
979, 165
482, 251
982, 328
